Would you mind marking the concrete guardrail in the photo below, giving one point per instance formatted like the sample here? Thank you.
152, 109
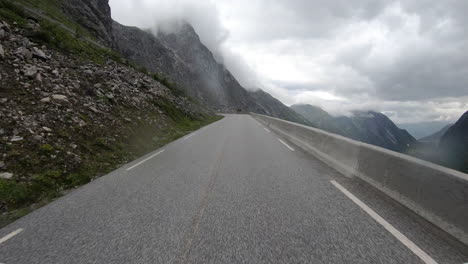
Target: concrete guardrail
438, 194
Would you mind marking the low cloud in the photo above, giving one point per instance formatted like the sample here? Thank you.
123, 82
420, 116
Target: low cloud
169, 15
407, 59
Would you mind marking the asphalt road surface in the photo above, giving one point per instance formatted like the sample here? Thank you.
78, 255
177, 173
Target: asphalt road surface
232, 192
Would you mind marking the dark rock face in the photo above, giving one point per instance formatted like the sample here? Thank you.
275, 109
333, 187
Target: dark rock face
180, 56
453, 145
94, 15
369, 127
377, 129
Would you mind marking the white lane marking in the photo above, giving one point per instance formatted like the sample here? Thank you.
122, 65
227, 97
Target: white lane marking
150, 157
267, 130
12, 234
284, 143
189, 136
402, 238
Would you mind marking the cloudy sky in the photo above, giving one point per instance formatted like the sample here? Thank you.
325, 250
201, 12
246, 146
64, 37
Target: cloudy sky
407, 59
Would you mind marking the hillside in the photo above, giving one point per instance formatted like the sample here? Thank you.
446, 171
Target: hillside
179, 56
366, 126
72, 111
318, 118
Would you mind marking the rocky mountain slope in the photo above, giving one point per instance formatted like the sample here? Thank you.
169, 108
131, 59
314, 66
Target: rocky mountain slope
318, 118
453, 145
181, 57
369, 127
70, 112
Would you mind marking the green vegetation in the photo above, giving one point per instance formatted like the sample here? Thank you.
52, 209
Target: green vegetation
12, 12
103, 155
54, 35
51, 8
45, 169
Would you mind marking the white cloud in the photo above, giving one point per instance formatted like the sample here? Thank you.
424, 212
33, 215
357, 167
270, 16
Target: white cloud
407, 59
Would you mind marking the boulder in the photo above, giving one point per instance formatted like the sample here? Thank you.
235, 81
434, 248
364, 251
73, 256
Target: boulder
45, 100
46, 129
2, 52
24, 53
16, 139
31, 71
59, 98
39, 54
6, 175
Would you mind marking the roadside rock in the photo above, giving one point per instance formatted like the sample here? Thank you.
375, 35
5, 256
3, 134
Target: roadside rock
16, 139
59, 98
55, 73
6, 175
24, 53
92, 108
2, 52
2, 164
46, 129
39, 54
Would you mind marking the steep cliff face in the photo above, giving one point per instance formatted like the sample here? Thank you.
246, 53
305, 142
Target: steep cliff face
453, 145
179, 55
186, 61
94, 15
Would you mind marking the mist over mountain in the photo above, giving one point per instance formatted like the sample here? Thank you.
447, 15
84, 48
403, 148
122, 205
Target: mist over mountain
179, 55
366, 126
435, 137
424, 129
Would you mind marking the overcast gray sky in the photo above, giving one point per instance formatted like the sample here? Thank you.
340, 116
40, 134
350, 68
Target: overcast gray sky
407, 59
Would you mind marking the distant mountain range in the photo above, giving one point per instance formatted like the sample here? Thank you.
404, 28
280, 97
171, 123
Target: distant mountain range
423, 129
366, 126
435, 138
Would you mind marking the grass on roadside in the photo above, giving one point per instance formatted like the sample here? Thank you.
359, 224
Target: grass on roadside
103, 156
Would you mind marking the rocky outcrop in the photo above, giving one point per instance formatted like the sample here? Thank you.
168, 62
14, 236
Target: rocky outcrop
93, 15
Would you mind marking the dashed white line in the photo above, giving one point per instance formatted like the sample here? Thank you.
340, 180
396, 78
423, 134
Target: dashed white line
12, 234
150, 157
267, 130
402, 238
284, 143
189, 136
